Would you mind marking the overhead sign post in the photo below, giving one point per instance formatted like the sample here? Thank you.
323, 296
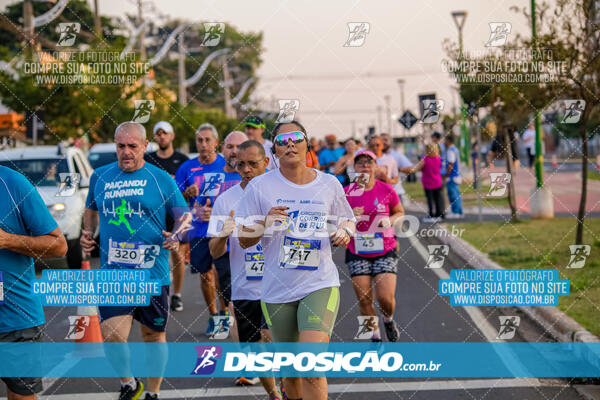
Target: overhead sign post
408, 120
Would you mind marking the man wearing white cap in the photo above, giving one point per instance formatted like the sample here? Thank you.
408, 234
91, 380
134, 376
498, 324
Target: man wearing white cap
169, 160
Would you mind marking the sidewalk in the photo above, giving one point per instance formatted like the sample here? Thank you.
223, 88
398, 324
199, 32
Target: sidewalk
565, 186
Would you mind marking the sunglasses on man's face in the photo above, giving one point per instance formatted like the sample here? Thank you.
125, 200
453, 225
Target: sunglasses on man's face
282, 139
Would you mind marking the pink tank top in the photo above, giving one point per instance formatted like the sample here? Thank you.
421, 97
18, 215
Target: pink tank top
430, 174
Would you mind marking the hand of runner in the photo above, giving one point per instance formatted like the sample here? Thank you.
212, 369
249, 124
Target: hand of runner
87, 242
381, 173
205, 211
228, 225
385, 222
191, 191
275, 214
358, 211
169, 244
340, 238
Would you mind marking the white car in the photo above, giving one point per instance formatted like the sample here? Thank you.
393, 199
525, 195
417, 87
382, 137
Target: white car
104, 153
62, 177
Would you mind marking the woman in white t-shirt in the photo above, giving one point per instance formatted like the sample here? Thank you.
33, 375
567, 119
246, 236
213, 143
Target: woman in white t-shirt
290, 210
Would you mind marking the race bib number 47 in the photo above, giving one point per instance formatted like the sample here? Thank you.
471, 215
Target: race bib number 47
299, 254
254, 264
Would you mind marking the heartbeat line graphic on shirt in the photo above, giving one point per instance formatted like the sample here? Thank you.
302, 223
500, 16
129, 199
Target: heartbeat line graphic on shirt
114, 212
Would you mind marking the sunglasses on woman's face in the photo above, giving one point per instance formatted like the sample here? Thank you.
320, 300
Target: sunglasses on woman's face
282, 139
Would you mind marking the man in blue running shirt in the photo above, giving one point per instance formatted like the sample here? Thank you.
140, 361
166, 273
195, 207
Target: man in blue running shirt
130, 200
201, 180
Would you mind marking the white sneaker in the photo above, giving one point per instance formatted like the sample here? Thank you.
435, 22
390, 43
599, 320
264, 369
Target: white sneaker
453, 216
429, 219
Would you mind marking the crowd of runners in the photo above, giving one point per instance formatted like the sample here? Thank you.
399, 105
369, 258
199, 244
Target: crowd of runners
257, 220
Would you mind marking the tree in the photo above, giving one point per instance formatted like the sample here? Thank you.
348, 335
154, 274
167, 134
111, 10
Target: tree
570, 30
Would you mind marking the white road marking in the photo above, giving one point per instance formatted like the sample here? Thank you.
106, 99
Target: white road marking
335, 388
490, 333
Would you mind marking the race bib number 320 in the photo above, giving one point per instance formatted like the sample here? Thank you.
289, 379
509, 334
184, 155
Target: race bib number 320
254, 263
300, 253
132, 254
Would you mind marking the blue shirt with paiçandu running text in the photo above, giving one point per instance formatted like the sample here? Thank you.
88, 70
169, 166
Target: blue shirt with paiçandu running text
132, 210
23, 213
211, 179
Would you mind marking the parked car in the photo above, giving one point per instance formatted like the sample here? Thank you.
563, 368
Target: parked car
62, 177
104, 153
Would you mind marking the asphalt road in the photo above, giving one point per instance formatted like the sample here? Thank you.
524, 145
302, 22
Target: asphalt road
422, 315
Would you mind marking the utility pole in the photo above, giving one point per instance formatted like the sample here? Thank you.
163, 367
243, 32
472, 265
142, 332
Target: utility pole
28, 22
181, 70
388, 112
402, 106
140, 21
539, 157
229, 110
97, 23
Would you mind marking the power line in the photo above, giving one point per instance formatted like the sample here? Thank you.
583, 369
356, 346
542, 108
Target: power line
367, 75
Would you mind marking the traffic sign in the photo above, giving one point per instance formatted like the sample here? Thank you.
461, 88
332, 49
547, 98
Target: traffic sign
408, 119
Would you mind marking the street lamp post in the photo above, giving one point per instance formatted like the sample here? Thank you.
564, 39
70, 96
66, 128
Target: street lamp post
539, 157
402, 109
459, 18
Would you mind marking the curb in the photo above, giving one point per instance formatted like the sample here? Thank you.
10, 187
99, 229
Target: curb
558, 324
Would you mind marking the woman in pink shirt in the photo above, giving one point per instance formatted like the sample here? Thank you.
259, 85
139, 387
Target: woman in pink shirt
431, 178
371, 254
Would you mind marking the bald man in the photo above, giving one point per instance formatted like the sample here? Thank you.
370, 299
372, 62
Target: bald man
129, 200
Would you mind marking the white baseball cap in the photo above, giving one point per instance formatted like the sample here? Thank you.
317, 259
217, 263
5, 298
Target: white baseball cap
165, 126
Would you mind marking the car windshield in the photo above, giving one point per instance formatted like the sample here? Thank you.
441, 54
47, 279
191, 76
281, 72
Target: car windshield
43, 172
99, 159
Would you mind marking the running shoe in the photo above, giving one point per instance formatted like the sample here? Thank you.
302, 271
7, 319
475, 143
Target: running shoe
224, 313
454, 216
282, 390
176, 303
429, 220
211, 325
391, 331
128, 393
151, 396
243, 381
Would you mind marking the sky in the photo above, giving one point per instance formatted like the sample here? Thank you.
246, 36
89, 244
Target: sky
340, 87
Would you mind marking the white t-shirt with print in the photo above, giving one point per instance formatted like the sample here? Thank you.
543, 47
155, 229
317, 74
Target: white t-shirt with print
388, 161
243, 286
311, 206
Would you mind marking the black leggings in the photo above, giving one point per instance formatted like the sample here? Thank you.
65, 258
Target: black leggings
435, 198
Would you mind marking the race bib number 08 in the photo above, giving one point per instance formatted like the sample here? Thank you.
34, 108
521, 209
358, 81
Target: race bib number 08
368, 243
300, 254
254, 264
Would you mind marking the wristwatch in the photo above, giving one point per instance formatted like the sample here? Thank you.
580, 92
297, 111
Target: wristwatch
348, 231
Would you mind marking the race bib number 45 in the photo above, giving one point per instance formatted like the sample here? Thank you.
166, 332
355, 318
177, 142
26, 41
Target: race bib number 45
368, 243
300, 254
254, 264
132, 254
